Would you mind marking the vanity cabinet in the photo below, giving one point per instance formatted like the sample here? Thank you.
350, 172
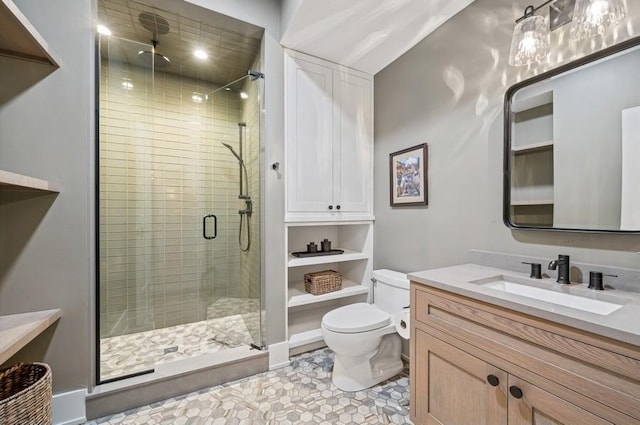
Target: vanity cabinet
329, 140
475, 363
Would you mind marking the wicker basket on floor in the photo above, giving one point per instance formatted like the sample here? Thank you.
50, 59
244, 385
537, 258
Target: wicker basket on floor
319, 283
25, 394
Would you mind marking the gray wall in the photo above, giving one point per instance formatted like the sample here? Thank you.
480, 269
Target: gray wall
448, 91
46, 248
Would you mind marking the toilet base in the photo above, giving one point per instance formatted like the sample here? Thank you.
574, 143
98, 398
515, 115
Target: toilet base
355, 373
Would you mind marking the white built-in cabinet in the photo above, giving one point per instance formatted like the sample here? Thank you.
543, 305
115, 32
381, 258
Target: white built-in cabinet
25, 58
329, 140
329, 180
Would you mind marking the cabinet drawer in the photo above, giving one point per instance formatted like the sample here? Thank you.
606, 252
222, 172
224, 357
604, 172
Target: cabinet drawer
601, 370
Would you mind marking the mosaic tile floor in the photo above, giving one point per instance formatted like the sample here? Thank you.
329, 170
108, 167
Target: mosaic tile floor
127, 354
301, 393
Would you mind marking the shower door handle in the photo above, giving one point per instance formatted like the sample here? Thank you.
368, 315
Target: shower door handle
204, 226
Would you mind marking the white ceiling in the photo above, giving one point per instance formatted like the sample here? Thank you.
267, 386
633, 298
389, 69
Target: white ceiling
363, 34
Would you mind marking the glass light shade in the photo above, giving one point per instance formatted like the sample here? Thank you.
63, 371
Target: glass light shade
593, 17
530, 42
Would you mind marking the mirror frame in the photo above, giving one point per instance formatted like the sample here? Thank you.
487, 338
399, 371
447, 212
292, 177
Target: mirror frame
585, 60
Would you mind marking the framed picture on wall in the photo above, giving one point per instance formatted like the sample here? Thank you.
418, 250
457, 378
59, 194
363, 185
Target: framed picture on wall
408, 177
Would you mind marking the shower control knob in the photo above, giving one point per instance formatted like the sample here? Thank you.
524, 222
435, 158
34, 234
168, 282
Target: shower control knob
330, 207
337, 207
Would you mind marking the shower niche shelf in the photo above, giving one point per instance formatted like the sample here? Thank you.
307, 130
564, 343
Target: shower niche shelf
304, 310
17, 182
25, 56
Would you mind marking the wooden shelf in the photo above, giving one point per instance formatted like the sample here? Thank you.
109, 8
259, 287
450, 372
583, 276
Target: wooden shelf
25, 57
348, 255
18, 182
298, 296
532, 202
531, 102
533, 147
17, 330
304, 338
19, 39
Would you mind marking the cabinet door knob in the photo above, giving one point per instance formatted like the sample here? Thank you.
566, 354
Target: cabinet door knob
516, 392
330, 207
493, 380
337, 207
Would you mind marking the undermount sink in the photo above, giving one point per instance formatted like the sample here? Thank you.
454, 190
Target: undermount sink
557, 295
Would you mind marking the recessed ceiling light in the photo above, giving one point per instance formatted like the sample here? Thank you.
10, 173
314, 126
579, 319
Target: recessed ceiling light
243, 95
200, 54
104, 30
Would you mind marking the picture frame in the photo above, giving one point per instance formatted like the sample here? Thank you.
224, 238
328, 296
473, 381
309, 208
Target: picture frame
408, 170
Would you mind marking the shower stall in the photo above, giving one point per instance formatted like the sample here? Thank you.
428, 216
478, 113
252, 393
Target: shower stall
179, 160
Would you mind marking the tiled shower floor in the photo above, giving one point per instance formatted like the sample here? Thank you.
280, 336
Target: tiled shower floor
128, 354
301, 393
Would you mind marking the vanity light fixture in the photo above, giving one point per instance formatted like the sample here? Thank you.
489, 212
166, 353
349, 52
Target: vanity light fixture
593, 17
530, 42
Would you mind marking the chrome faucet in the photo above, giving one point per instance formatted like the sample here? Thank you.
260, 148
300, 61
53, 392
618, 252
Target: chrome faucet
563, 265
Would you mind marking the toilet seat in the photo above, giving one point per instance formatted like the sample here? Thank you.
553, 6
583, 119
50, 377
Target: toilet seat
355, 318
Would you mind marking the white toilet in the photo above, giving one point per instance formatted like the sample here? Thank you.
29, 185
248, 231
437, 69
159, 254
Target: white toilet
363, 337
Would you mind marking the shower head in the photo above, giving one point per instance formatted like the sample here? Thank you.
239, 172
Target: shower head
232, 151
150, 58
156, 25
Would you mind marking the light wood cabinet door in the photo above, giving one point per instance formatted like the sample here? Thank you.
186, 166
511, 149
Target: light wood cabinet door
534, 406
451, 387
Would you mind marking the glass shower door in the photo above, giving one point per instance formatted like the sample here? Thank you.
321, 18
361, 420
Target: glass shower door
125, 213
179, 214
236, 311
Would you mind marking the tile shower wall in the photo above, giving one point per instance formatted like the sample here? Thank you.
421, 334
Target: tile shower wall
162, 168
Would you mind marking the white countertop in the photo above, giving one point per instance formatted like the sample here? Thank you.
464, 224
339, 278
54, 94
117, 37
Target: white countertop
622, 324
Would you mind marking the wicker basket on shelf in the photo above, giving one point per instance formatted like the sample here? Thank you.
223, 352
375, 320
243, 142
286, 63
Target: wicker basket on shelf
25, 394
319, 283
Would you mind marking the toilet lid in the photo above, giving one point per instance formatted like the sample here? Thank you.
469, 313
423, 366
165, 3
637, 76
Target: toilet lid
359, 317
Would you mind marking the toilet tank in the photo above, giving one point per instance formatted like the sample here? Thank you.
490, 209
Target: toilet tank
391, 291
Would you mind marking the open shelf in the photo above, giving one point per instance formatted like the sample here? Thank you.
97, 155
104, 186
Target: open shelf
298, 296
25, 56
13, 181
532, 202
17, 330
19, 39
348, 255
304, 338
533, 147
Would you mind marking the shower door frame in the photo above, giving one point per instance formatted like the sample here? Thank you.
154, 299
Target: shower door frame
261, 343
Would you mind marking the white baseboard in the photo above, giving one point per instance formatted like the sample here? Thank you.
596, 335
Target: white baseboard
278, 355
69, 408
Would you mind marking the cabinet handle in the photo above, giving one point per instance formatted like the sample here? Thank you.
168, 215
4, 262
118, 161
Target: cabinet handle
516, 392
493, 380
330, 207
337, 207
